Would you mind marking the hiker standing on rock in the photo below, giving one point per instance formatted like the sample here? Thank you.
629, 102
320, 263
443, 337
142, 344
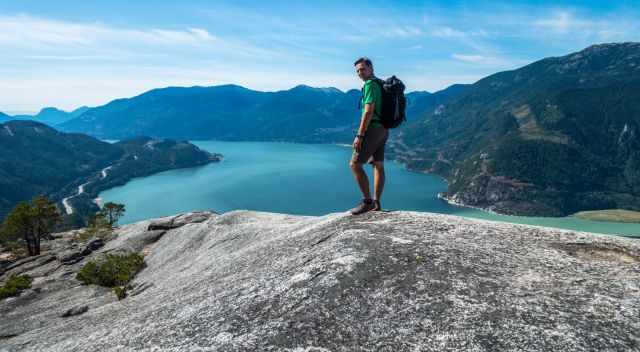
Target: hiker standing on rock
368, 145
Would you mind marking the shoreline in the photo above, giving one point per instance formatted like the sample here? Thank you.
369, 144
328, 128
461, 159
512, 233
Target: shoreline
623, 216
455, 203
459, 209
450, 201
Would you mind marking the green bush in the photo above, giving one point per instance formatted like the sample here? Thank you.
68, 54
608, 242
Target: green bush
98, 228
121, 291
15, 285
113, 271
17, 248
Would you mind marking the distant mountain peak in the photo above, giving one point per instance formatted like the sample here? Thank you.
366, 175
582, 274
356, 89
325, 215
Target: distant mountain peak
612, 53
302, 87
50, 109
608, 46
231, 86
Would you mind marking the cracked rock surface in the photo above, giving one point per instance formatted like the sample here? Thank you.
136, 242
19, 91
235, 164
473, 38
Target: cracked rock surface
381, 281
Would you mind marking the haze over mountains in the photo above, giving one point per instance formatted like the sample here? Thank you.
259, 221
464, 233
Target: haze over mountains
50, 115
516, 142
231, 112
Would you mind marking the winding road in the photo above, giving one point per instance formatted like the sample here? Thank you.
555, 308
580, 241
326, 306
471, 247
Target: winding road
67, 206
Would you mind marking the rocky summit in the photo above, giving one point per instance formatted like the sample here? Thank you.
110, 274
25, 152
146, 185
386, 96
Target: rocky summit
382, 281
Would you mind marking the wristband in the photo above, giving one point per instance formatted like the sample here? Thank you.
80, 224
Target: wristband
359, 136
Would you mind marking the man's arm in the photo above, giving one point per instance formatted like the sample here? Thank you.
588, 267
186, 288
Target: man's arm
367, 114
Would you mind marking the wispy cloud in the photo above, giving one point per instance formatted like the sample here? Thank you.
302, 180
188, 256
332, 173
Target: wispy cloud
572, 25
560, 22
28, 31
468, 58
492, 61
448, 32
41, 38
65, 57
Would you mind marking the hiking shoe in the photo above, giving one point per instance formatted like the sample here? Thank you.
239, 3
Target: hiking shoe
376, 205
364, 206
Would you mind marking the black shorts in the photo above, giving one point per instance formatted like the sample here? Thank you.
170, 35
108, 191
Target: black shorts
372, 147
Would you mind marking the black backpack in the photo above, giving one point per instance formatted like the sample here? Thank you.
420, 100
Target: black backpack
393, 101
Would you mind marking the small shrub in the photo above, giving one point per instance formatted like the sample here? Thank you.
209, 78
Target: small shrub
98, 227
15, 285
94, 232
113, 271
120, 292
16, 248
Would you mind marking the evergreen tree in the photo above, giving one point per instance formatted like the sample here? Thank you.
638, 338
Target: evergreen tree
31, 222
111, 212
46, 216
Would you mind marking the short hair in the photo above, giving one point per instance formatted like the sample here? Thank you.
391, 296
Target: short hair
364, 59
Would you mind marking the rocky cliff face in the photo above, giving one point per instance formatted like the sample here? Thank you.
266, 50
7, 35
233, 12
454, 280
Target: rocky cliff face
391, 281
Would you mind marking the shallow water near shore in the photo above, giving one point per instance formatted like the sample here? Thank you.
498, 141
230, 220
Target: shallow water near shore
304, 179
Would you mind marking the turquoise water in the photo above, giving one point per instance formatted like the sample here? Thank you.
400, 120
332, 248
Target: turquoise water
306, 179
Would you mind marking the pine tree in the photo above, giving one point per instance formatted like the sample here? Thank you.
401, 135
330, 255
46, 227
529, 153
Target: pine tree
112, 212
45, 216
32, 222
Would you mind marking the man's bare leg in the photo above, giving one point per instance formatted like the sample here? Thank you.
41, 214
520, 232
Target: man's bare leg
361, 179
378, 179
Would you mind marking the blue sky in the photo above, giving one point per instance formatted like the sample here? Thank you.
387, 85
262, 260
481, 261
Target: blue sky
72, 53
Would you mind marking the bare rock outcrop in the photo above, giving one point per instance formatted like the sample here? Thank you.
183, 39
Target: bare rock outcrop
382, 281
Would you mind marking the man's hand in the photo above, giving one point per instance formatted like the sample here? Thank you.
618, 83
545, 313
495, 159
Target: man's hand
357, 144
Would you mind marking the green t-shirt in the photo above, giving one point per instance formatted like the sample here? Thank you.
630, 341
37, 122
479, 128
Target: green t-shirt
371, 93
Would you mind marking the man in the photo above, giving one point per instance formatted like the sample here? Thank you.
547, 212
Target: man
368, 145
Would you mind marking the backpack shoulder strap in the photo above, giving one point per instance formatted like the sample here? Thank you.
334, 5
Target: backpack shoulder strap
379, 81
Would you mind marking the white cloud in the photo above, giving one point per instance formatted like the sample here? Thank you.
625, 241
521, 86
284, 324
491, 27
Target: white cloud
41, 37
469, 58
492, 61
25, 31
375, 29
404, 31
448, 32
572, 26
562, 22
435, 82
65, 57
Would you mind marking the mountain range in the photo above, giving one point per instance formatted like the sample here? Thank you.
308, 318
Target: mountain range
231, 112
552, 138
516, 142
50, 115
4, 117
